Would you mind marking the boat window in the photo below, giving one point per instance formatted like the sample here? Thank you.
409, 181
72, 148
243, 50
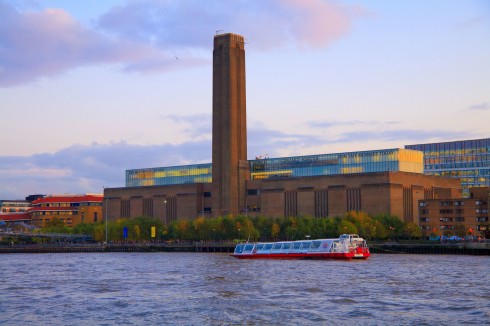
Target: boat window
297, 245
268, 246
249, 247
277, 246
286, 246
259, 246
315, 244
306, 245
239, 249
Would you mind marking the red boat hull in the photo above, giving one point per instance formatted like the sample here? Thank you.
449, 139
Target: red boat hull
339, 256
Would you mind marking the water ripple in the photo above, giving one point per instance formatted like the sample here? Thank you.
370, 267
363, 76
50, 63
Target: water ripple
215, 289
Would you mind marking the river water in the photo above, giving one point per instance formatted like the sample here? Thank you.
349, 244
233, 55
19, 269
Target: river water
216, 289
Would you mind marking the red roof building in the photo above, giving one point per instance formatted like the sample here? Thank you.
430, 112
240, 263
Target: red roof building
70, 209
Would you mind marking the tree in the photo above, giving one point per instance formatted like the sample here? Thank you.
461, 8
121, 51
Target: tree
347, 227
275, 229
238, 227
460, 231
413, 230
55, 222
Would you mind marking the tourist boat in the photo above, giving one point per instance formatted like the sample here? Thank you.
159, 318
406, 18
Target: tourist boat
347, 247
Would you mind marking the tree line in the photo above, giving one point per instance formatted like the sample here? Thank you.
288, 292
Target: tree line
244, 228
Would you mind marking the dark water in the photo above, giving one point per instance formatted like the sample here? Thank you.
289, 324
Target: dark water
215, 289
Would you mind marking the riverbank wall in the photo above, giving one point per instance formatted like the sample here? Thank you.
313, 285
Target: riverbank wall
478, 249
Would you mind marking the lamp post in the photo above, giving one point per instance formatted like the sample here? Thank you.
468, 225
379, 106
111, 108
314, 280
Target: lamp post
106, 209
392, 229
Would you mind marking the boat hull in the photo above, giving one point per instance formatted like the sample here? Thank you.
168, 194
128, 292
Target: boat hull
316, 256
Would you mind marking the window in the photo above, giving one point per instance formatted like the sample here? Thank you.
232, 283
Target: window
248, 247
424, 219
306, 245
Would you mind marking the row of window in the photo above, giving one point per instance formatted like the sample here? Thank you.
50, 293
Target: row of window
43, 213
431, 160
13, 210
451, 219
70, 204
451, 203
456, 211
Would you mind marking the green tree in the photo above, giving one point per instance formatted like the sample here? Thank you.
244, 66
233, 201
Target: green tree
347, 227
55, 222
275, 230
413, 230
460, 231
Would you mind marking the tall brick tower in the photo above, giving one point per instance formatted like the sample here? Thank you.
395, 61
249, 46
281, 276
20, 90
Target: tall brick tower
230, 166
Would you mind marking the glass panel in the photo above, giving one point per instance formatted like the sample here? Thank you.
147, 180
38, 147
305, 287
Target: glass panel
277, 246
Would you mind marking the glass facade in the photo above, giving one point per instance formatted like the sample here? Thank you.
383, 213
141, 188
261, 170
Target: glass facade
196, 173
339, 163
468, 160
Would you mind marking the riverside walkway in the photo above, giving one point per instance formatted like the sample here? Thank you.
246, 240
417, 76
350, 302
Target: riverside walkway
120, 247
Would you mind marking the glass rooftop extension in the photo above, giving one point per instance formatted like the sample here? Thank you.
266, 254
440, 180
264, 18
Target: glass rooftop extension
287, 167
396, 159
172, 175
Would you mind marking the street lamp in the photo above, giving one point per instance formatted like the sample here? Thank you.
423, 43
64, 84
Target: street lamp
106, 209
392, 229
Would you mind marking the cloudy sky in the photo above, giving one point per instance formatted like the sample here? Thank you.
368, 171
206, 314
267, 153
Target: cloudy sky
89, 89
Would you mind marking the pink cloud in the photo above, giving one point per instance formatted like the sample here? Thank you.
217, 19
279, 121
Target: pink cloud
317, 23
145, 36
267, 24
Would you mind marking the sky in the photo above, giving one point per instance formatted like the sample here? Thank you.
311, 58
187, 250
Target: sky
90, 89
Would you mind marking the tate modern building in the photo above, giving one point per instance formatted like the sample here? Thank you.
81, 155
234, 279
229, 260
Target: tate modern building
381, 181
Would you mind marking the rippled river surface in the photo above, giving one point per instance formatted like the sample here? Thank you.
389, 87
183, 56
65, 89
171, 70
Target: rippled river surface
216, 289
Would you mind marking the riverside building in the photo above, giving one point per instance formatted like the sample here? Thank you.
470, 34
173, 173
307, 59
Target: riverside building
466, 160
449, 216
383, 181
70, 209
